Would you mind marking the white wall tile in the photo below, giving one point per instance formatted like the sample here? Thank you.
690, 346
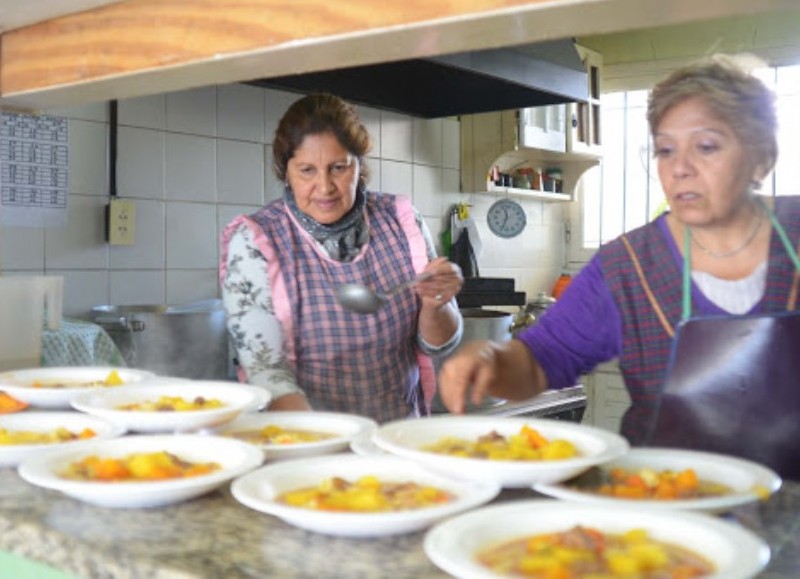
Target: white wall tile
427, 142
147, 251
397, 178
140, 163
190, 173
187, 286
240, 167
83, 290
273, 189
533, 280
240, 112
374, 166
193, 111
88, 157
275, 104
451, 143
191, 236
535, 211
436, 227
21, 248
97, 111
371, 119
137, 287
396, 137
148, 112
480, 204
427, 186
81, 244
226, 214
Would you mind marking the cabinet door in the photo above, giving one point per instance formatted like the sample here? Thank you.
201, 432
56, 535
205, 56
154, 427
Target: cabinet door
583, 133
544, 128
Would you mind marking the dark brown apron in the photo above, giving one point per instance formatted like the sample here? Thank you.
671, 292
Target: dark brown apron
733, 385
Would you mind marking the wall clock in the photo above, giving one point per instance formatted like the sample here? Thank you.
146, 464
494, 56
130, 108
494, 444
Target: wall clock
506, 218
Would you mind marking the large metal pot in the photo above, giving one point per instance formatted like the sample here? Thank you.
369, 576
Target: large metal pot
480, 324
189, 341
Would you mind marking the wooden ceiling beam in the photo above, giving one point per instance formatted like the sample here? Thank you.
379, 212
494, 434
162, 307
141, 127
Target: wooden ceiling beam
138, 47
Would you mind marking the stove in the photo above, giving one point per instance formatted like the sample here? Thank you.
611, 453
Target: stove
489, 291
564, 404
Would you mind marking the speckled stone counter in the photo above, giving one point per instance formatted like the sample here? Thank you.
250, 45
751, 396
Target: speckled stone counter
216, 537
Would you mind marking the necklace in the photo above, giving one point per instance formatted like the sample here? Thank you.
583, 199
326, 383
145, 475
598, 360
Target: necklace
732, 252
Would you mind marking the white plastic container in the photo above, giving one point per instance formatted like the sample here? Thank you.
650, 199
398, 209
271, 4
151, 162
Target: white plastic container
24, 303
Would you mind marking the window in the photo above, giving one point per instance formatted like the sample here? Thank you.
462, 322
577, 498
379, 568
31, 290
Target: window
623, 192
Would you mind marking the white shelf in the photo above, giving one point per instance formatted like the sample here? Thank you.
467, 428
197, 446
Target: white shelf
529, 193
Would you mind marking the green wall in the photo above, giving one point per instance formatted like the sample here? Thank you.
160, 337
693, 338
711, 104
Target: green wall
774, 35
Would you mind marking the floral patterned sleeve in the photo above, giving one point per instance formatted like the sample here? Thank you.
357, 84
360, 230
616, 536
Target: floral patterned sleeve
255, 331
450, 345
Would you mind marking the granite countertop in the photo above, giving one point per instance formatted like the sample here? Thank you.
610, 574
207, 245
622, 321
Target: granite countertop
216, 537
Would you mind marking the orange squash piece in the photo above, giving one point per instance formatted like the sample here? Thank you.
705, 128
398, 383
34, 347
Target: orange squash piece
9, 404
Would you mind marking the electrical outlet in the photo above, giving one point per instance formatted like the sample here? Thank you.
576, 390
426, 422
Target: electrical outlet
121, 222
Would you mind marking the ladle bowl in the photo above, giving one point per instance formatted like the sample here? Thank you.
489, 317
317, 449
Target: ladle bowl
365, 300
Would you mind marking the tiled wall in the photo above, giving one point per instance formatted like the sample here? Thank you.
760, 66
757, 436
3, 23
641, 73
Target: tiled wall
192, 160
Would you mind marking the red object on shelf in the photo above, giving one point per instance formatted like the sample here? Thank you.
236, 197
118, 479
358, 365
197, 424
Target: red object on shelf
561, 284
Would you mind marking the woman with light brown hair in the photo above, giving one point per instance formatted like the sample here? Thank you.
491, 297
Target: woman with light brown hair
700, 306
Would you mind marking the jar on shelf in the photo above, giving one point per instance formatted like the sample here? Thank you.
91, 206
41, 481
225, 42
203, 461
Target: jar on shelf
538, 179
523, 178
555, 180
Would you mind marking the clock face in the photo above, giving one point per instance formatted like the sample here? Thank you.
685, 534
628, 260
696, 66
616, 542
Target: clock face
506, 218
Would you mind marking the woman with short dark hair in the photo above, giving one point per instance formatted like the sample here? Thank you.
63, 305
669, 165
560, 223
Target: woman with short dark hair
281, 264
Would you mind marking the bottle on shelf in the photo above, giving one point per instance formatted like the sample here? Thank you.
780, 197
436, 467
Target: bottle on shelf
561, 284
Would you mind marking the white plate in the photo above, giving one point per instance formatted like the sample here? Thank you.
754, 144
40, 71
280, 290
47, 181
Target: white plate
13, 454
344, 426
363, 444
235, 457
259, 490
261, 396
744, 477
407, 437
451, 545
20, 383
105, 403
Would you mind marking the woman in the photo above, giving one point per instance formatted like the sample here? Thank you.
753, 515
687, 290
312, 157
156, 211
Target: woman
717, 252
280, 266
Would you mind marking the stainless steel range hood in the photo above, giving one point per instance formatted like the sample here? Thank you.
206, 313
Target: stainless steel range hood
465, 83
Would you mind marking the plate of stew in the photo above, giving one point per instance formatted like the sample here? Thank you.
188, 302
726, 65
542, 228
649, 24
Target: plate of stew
543, 538
54, 387
672, 479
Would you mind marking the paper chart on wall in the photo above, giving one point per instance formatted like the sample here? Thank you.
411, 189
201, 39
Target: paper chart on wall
34, 170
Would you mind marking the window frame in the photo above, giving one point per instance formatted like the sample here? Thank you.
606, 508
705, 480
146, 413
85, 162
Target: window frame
637, 77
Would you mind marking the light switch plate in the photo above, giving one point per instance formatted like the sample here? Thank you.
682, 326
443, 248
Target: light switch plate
121, 222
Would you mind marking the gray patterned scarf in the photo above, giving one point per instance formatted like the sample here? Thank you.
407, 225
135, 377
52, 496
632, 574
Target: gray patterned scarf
341, 240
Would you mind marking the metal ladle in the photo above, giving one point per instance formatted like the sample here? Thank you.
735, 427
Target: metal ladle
364, 300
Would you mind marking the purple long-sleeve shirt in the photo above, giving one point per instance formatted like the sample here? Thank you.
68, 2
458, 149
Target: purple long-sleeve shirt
584, 328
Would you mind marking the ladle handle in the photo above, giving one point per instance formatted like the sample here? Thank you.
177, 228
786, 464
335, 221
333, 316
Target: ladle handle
413, 281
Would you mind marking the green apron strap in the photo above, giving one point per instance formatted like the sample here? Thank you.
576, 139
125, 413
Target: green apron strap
784, 239
687, 258
687, 274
